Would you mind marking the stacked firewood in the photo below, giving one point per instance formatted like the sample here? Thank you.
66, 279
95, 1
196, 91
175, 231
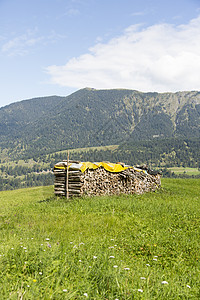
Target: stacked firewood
73, 182
68, 181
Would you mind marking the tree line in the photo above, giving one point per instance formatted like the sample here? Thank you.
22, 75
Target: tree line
160, 154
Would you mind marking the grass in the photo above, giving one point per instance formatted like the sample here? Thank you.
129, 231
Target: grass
186, 170
6, 160
119, 247
77, 150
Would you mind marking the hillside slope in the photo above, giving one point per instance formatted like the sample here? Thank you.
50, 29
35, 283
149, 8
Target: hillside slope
92, 117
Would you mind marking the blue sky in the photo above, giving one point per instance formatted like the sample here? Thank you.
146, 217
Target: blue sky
55, 47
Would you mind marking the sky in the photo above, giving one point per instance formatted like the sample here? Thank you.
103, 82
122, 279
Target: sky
56, 47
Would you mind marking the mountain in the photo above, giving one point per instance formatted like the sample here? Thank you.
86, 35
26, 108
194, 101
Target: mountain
92, 117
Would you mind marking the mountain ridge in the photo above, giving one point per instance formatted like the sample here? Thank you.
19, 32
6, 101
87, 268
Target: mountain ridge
90, 117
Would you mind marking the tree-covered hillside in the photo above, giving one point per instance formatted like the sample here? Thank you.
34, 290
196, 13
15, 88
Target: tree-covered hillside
91, 117
160, 130
159, 154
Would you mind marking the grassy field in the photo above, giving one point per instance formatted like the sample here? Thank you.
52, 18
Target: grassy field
119, 247
77, 150
182, 170
7, 161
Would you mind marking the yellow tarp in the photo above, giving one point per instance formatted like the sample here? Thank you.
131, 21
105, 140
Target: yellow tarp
110, 167
107, 166
89, 165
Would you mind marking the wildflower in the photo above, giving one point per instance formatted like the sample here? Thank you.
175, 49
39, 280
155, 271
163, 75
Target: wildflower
81, 244
164, 282
188, 286
28, 285
40, 273
111, 256
155, 259
47, 239
94, 257
139, 290
115, 266
155, 256
71, 242
143, 278
85, 294
111, 247
41, 244
12, 248
127, 269
49, 245
112, 239
34, 280
64, 290
148, 265
80, 260
24, 247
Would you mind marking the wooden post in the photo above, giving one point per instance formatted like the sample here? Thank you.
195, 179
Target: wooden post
67, 181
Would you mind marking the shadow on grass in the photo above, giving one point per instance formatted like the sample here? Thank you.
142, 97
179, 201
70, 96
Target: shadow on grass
63, 199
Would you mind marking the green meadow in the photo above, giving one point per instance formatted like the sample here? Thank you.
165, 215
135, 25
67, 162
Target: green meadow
116, 247
186, 170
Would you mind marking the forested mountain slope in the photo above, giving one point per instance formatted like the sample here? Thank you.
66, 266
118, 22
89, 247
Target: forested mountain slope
92, 117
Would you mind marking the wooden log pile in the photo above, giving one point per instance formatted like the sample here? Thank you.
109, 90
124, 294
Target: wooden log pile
102, 182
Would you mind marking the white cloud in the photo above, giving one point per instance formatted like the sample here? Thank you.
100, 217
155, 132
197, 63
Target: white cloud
73, 12
22, 44
19, 45
138, 13
159, 58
